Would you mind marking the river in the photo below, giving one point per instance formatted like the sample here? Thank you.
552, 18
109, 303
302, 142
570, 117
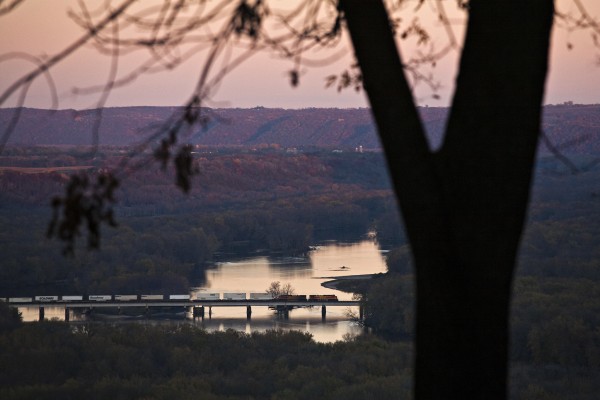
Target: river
305, 274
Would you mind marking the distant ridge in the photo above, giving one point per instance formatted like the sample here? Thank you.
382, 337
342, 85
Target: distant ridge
572, 128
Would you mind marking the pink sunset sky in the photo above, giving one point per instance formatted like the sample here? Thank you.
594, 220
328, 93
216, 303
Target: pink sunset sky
42, 28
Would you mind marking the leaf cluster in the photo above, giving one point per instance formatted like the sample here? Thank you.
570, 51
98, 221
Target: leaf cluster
84, 204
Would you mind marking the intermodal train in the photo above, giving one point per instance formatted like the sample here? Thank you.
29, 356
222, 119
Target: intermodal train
199, 297
312, 297
98, 298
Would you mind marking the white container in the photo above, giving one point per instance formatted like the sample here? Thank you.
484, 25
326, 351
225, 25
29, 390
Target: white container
46, 298
126, 297
260, 296
234, 296
179, 297
99, 297
19, 300
71, 298
151, 297
208, 296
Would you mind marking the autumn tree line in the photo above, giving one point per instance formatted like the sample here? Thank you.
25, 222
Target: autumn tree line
244, 202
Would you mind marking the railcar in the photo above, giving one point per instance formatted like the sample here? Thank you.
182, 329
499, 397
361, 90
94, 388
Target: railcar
291, 297
323, 297
234, 296
20, 299
126, 297
152, 297
45, 299
179, 297
100, 297
260, 296
71, 298
208, 296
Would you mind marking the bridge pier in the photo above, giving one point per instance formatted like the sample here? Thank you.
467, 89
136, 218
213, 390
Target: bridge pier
198, 312
41, 314
67, 314
248, 312
361, 312
323, 312
209, 312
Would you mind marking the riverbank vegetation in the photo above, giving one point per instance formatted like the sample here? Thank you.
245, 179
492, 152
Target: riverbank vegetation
51, 360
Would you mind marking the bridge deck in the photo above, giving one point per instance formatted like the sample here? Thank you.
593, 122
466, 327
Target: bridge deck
186, 303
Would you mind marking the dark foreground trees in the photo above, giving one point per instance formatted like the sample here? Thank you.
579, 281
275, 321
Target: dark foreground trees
53, 360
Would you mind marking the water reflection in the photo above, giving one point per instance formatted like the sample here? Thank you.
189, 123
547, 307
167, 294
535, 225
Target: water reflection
255, 274
32, 314
249, 275
331, 329
304, 274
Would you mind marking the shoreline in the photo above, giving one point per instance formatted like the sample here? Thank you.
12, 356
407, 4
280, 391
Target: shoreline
336, 280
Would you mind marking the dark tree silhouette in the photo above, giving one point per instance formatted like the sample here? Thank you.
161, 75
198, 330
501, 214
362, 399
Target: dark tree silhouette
464, 205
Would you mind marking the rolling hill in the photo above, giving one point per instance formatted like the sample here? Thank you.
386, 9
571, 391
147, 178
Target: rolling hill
571, 128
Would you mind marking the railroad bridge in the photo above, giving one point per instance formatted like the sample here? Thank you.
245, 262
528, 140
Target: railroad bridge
196, 307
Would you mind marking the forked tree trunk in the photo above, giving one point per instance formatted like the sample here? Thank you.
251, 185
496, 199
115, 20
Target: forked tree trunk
463, 207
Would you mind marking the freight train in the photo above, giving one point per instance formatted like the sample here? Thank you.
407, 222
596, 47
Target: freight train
199, 297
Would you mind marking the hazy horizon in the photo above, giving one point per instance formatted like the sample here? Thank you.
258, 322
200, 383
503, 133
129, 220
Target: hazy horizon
42, 29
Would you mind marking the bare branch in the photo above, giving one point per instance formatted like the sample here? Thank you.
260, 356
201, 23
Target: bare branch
21, 101
7, 8
31, 76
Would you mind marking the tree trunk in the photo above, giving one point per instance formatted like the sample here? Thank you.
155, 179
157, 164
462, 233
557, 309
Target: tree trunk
463, 207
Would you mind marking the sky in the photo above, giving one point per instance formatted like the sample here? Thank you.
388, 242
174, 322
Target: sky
42, 28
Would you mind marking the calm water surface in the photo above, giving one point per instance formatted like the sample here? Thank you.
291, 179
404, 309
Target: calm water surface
304, 274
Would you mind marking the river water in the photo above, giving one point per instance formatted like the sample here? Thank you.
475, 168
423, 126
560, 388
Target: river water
305, 274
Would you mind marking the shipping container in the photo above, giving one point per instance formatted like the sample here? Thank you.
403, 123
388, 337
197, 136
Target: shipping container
126, 297
152, 297
179, 297
99, 297
19, 300
260, 296
234, 296
208, 296
71, 298
46, 298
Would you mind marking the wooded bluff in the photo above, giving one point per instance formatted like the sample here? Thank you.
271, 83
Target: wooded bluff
573, 126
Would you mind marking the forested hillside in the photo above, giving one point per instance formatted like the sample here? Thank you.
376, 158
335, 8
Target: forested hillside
570, 127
